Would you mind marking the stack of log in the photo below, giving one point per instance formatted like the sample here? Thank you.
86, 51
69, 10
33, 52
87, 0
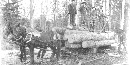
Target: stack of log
86, 39
89, 39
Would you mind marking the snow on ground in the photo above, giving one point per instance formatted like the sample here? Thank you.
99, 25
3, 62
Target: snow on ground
10, 57
5, 53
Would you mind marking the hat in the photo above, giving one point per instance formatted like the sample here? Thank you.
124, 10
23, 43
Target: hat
72, 0
83, 3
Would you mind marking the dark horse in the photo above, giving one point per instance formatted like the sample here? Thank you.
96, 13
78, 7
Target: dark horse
54, 44
43, 41
18, 35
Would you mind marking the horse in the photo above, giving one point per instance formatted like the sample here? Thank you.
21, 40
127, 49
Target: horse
18, 34
35, 42
55, 43
43, 41
55, 46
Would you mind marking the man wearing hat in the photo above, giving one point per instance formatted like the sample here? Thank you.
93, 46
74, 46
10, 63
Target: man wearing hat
83, 12
72, 12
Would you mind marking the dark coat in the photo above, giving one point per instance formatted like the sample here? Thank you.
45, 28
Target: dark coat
82, 9
72, 9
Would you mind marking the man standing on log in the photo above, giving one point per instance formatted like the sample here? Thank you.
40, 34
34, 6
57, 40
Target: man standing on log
83, 12
72, 12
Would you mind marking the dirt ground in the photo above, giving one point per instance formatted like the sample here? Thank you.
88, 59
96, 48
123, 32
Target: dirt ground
10, 57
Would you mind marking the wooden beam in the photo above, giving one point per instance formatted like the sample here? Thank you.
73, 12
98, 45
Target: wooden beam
41, 15
31, 13
122, 17
93, 2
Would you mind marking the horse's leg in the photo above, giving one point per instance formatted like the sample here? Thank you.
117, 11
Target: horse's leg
58, 50
43, 52
21, 55
54, 51
38, 56
24, 52
31, 48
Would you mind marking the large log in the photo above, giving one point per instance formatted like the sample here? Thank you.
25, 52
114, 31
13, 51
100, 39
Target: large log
88, 39
91, 43
73, 45
78, 36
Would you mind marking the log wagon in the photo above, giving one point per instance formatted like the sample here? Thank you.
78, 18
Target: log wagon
76, 39
73, 40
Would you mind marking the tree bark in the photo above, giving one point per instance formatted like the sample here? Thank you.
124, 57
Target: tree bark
31, 13
31, 48
58, 49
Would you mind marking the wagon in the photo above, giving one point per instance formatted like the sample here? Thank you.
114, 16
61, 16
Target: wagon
76, 39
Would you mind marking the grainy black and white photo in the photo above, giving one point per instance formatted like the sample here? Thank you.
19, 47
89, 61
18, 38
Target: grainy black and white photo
64, 32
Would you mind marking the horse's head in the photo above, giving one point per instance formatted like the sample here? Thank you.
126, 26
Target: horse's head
28, 37
31, 37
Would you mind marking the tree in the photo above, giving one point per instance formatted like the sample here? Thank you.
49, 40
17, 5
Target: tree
25, 22
43, 21
60, 9
10, 16
12, 21
37, 24
116, 14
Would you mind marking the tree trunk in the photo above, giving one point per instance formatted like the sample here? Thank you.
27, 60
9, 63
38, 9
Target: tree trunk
122, 13
58, 49
31, 14
31, 48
